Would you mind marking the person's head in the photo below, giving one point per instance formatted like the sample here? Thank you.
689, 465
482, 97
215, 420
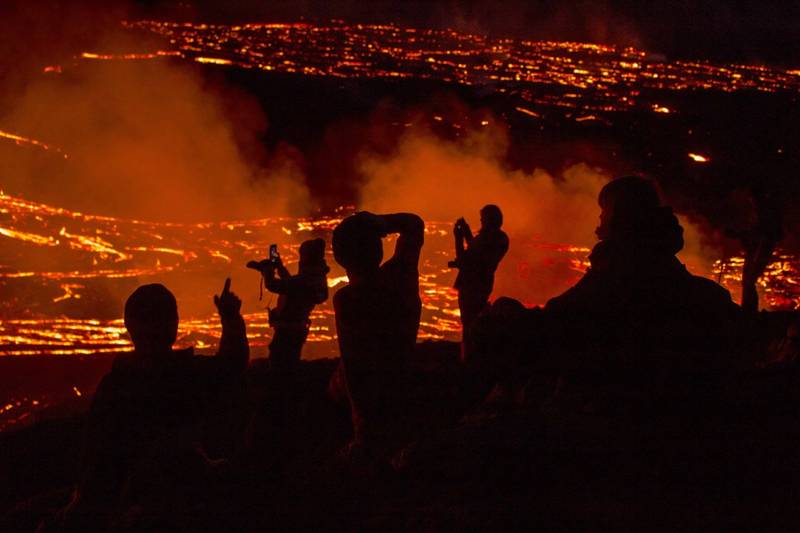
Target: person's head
357, 245
151, 317
312, 253
491, 217
625, 203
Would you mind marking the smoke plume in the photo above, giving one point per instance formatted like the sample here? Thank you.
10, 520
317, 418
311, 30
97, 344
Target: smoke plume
442, 180
153, 140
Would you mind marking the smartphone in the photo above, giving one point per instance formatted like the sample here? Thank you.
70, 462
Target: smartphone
273, 253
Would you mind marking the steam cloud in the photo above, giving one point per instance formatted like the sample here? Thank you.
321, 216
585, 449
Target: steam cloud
443, 180
151, 140
154, 140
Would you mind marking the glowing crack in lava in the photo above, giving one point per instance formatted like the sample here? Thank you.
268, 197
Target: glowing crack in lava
25, 141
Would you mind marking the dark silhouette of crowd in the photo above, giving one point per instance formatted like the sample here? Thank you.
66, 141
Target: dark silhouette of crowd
638, 336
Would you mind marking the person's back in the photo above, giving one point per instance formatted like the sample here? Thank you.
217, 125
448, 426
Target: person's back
384, 311
378, 313
478, 262
297, 297
144, 422
637, 313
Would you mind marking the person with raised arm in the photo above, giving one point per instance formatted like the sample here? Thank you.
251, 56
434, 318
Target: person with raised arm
297, 297
477, 263
377, 317
144, 434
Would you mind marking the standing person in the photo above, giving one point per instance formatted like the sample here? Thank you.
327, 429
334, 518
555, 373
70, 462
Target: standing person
377, 318
274, 428
759, 244
477, 263
297, 296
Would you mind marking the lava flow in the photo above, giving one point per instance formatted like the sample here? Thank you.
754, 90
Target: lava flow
586, 77
66, 275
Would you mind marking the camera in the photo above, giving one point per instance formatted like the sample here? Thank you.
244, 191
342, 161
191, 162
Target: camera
266, 265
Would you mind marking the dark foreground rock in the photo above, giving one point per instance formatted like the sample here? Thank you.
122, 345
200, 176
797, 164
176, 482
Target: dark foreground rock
502, 464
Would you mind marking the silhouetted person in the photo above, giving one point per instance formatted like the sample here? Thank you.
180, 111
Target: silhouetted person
477, 263
377, 316
144, 427
638, 315
275, 422
297, 296
759, 244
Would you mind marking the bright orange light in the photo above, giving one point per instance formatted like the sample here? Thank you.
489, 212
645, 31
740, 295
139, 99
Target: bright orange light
698, 158
528, 112
213, 60
33, 142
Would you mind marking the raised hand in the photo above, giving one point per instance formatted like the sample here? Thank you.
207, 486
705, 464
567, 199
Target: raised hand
228, 304
458, 228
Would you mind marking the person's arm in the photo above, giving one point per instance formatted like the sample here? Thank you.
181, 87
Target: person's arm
467, 231
282, 272
412, 235
279, 285
233, 346
755, 262
458, 234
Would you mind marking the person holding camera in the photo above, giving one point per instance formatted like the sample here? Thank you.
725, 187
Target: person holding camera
477, 262
297, 296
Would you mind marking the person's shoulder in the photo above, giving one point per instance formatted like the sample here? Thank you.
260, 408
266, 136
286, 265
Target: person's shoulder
123, 362
121, 377
710, 289
582, 295
494, 238
503, 238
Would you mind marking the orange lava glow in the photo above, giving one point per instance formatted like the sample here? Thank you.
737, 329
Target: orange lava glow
585, 76
25, 141
101, 253
698, 158
95, 252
